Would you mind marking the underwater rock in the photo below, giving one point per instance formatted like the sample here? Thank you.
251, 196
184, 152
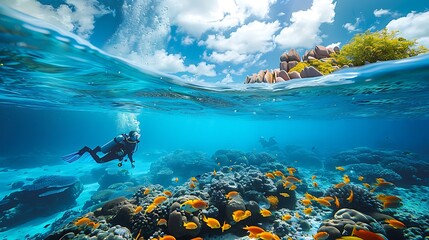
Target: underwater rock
113, 176
307, 157
17, 185
373, 171
52, 193
363, 200
229, 157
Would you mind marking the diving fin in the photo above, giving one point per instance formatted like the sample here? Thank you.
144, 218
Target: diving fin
71, 157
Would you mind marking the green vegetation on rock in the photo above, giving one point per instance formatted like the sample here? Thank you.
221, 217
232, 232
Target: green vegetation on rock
325, 67
299, 67
377, 46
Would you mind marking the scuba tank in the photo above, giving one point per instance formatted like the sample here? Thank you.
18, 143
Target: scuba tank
110, 144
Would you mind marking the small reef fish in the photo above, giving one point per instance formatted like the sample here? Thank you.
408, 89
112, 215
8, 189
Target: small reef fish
283, 194
193, 179
167, 237
315, 185
287, 184
291, 170
93, 225
380, 180
293, 179
293, 187
367, 235
350, 198
269, 175
214, 172
268, 236
306, 202
395, 224
330, 199
175, 179
192, 185
82, 221
159, 200
278, 173
339, 185
392, 205
162, 221
190, 225
197, 238
138, 209
286, 217
146, 191
384, 185
297, 215
323, 202
309, 196
321, 236
253, 231
239, 215
346, 179
308, 211
349, 238
225, 226
360, 178
199, 204
265, 212
231, 194
339, 168
168, 193
366, 185
313, 177
337, 202
211, 222
150, 208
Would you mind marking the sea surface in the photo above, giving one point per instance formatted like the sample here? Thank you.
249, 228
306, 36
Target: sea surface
59, 93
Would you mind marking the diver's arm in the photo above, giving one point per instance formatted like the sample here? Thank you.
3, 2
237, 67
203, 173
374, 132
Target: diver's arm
130, 156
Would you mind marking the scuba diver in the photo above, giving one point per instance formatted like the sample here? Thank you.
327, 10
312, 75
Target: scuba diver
117, 148
270, 143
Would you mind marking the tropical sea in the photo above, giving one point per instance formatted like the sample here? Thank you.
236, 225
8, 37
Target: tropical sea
59, 93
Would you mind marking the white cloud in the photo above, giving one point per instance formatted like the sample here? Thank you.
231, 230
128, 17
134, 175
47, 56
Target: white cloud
332, 45
228, 56
413, 26
305, 25
381, 12
197, 17
227, 79
174, 63
250, 38
281, 14
187, 40
352, 27
76, 16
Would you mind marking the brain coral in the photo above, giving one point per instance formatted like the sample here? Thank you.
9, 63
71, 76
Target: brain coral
363, 200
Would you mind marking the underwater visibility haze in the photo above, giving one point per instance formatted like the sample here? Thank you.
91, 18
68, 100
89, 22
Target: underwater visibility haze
340, 155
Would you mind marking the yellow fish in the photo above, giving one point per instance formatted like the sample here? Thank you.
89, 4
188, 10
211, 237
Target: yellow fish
190, 225
286, 217
162, 221
150, 208
308, 210
284, 194
350, 198
214, 172
138, 209
360, 178
265, 212
211, 222
225, 226
339, 168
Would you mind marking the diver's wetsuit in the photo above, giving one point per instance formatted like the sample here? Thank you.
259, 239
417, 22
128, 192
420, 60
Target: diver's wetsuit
118, 151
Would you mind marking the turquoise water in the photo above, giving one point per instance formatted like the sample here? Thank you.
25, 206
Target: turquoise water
59, 93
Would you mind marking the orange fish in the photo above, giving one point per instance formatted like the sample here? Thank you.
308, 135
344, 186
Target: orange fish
292, 179
278, 173
309, 196
150, 208
162, 221
395, 224
286, 217
367, 235
391, 204
197, 238
237, 215
82, 221
225, 226
287, 184
308, 210
315, 185
146, 191
284, 194
199, 204
323, 202
265, 212
366, 185
211, 222
350, 198
193, 179
380, 180
270, 175
385, 198
293, 187
328, 198
159, 200
360, 178
346, 179
253, 230
231, 194
168, 193
190, 225
192, 185
339, 185
93, 225
176, 179
214, 172
138, 209
337, 203
297, 215
267, 236
321, 236
339, 168
313, 177
306, 202
291, 170
167, 237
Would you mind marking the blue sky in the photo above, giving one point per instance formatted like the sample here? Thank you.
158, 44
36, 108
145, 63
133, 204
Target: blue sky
224, 40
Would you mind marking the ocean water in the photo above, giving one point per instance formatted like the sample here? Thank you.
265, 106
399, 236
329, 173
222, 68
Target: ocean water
59, 93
